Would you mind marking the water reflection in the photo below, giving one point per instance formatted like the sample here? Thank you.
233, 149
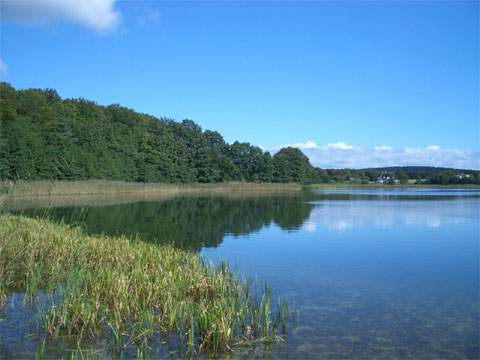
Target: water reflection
373, 274
196, 222
189, 222
402, 192
345, 215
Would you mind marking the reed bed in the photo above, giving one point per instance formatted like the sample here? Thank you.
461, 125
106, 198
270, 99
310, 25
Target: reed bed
30, 188
132, 292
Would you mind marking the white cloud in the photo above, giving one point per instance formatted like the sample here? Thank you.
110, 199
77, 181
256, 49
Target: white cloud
382, 148
99, 15
3, 67
340, 145
308, 145
344, 155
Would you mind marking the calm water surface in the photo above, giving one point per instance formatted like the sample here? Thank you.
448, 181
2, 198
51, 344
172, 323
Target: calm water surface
371, 273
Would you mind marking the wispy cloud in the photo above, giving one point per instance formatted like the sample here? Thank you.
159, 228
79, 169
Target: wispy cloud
382, 148
340, 145
98, 15
3, 68
344, 155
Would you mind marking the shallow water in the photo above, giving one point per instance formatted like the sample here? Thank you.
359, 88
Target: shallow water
372, 273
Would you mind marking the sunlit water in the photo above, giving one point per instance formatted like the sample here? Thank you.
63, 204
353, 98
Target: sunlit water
371, 273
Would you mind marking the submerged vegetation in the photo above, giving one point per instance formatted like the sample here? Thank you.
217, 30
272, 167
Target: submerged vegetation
132, 292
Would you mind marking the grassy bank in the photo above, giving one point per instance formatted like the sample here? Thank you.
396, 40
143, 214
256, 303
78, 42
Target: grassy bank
130, 291
105, 187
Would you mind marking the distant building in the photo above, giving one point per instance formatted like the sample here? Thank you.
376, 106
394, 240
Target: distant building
386, 178
462, 176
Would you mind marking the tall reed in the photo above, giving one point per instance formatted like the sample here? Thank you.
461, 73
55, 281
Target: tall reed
131, 291
22, 188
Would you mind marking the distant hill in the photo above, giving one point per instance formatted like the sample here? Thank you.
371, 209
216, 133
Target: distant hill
400, 174
420, 171
407, 174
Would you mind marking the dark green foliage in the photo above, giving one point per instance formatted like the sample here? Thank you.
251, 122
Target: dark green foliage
45, 137
455, 178
291, 165
252, 162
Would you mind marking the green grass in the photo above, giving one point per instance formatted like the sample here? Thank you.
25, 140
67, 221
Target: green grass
131, 291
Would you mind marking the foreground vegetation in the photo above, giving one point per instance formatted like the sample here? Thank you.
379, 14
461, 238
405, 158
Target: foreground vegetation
131, 291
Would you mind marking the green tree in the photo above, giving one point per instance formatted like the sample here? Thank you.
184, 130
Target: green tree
291, 165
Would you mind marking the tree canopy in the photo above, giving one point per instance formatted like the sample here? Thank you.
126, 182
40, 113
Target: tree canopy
45, 137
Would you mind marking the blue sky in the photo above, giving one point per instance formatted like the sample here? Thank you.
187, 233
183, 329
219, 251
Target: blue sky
351, 83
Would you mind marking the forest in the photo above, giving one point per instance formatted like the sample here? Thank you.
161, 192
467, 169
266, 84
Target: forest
43, 136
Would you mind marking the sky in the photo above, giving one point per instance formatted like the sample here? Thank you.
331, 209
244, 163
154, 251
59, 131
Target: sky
352, 84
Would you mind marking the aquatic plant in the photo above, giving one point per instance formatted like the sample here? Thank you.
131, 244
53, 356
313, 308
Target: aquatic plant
131, 291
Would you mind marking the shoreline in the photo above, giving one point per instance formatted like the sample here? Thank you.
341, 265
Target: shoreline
393, 186
45, 188
65, 191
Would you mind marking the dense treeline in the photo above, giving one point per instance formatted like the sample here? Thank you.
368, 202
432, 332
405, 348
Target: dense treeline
428, 174
400, 175
45, 137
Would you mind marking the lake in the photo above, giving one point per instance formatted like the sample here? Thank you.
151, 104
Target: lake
368, 273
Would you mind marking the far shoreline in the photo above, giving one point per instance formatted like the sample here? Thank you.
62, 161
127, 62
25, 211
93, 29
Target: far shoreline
60, 188
391, 186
